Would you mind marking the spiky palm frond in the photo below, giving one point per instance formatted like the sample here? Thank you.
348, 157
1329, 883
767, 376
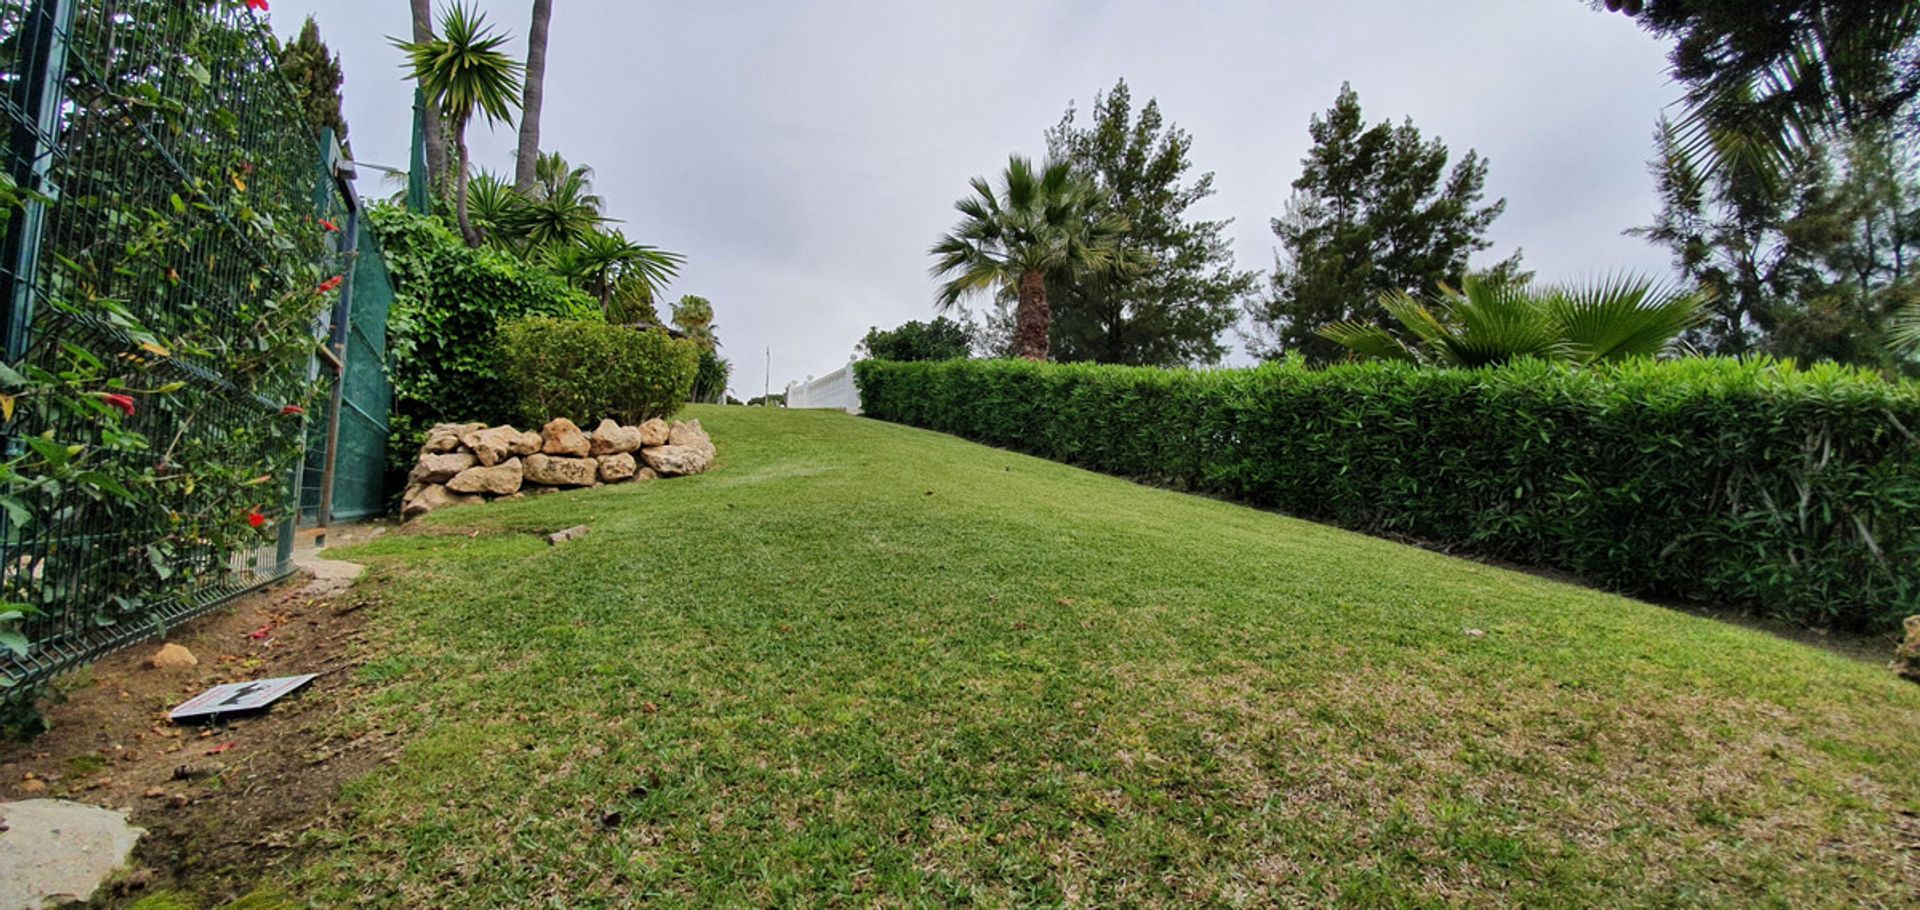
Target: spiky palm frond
494, 208
464, 70
605, 260
1487, 322
1903, 330
1623, 316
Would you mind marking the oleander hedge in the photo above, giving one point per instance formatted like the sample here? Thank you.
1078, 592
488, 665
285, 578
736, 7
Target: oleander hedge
1789, 492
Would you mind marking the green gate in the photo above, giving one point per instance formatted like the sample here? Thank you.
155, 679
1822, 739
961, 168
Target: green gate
345, 467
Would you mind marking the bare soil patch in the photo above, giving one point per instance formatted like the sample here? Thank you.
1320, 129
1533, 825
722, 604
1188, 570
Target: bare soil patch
224, 802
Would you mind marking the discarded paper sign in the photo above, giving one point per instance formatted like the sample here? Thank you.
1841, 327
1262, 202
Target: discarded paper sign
235, 698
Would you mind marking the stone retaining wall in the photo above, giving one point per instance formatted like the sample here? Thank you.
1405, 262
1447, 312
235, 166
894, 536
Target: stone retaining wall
465, 463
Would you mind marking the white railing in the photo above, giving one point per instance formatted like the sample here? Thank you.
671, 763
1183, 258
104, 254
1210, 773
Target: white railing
834, 390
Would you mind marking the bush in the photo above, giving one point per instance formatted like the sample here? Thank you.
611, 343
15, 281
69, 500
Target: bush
710, 377
941, 339
442, 330
584, 370
1794, 493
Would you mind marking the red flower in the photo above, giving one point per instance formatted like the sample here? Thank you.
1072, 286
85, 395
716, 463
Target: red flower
328, 285
123, 402
329, 225
293, 409
260, 5
255, 519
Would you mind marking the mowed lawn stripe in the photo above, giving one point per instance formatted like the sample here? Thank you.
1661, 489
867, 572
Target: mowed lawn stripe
864, 664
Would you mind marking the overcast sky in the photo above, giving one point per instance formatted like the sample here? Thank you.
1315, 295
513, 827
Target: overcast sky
804, 155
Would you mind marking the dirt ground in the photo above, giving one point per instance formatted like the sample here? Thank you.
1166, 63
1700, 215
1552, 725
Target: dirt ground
220, 803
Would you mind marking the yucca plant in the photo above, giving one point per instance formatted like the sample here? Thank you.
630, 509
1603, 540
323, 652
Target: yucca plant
1487, 322
464, 71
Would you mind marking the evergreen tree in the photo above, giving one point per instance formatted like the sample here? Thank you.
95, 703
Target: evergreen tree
1375, 211
1810, 263
315, 73
1171, 308
941, 339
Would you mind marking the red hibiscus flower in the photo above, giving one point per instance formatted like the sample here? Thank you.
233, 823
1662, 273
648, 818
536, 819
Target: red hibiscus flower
328, 285
255, 519
329, 225
123, 402
260, 5
293, 409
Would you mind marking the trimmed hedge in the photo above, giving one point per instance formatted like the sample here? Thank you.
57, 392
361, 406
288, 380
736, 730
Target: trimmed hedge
1794, 493
584, 370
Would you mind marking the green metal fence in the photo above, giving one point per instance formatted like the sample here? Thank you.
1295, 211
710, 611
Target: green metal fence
159, 222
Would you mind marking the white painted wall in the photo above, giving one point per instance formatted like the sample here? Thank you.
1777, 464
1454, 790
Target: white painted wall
834, 390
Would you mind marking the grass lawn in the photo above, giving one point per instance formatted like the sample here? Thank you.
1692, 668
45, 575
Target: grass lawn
861, 664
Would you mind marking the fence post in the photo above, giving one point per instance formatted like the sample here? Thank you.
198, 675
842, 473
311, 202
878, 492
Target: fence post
36, 99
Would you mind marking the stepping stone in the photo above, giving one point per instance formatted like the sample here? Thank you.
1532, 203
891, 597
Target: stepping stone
56, 852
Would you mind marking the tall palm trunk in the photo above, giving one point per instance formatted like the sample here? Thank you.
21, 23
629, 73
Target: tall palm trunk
435, 127
472, 236
533, 88
1031, 318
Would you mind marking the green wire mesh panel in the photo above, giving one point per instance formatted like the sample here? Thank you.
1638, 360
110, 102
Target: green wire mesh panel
360, 463
160, 256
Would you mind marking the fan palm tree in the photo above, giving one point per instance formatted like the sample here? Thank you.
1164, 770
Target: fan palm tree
463, 71
606, 261
693, 316
1489, 322
1040, 224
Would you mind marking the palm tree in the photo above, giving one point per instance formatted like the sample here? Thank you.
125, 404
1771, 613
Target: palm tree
606, 262
1039, 225
530, 100
464, 71
1489, 322
436, 134
693, 316
560, 206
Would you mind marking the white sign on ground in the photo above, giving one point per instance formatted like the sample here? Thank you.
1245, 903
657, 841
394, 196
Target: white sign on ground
233, 698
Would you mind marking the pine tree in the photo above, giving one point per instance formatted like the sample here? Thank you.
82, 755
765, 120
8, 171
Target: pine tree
1173, 306
315, 73
1375, 211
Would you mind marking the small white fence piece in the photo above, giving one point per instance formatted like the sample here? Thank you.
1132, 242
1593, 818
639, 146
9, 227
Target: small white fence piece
834, 390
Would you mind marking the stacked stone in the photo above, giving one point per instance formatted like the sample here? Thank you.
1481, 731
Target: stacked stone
464, 463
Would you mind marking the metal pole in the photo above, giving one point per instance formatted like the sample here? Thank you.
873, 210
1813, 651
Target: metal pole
766, 385
342, 327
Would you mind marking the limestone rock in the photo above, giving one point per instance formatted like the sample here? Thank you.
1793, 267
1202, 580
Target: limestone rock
574, 533
1907, 656
527, 444
646, 474
610, 438
492, 446
618, 467
500, 480
445, 437
440, 468
431, 497
561, 472
654, 432
172, 657
673, 460
561, 437
691, 435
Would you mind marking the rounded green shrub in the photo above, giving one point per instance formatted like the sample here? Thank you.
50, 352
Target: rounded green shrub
585, 370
